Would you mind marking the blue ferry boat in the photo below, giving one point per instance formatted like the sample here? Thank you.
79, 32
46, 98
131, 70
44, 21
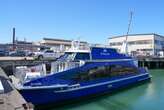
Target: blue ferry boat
79, 74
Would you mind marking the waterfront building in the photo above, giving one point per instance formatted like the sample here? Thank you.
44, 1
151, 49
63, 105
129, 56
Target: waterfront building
61, 45
58, 45
24, 45
20, 45
139, 44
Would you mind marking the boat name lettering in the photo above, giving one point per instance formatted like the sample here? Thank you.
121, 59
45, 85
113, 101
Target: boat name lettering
105, 52
102, 53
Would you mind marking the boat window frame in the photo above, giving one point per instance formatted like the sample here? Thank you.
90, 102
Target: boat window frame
96, 75
80, 53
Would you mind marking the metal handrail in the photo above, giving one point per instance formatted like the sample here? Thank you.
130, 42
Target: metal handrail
59, 66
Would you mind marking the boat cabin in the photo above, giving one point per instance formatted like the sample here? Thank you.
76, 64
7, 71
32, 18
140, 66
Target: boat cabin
76, 58
95, 53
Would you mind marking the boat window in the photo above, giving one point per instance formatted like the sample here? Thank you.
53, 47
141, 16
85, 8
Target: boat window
122, 70
82, 56
103, 72
67, 56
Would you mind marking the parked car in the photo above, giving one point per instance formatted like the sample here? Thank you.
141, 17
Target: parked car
161, 54
18, 53
3, 53
45, 54
28, 53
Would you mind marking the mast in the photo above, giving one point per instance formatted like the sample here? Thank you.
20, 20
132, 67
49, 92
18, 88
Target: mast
126, 38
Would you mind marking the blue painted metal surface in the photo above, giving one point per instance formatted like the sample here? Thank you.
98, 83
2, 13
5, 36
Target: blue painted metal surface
106, 53
59, 87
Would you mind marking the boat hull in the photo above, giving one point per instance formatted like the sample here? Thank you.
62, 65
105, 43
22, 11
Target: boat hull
51, 95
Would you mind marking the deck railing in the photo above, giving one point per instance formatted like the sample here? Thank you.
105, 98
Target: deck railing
63, 66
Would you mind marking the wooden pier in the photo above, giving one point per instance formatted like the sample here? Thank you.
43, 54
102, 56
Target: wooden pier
151, 63
8, 64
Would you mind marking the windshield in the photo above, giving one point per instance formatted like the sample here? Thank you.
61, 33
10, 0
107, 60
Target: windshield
67, 56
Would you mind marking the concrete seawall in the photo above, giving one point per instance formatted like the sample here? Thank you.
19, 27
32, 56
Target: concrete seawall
10, 99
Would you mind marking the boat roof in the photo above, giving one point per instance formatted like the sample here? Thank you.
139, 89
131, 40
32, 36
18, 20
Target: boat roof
87, 50
77, 51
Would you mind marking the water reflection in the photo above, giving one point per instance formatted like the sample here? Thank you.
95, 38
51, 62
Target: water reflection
150, 91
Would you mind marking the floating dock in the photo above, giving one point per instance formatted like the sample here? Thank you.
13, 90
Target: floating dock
10, 99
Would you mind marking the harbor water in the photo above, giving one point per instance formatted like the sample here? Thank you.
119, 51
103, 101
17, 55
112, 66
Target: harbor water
147, 96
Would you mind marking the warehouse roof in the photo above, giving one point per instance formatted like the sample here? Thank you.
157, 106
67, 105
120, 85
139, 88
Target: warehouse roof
62, 40
135, 35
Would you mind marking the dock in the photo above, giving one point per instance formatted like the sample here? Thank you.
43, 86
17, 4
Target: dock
10, 98
151, 62
8, 64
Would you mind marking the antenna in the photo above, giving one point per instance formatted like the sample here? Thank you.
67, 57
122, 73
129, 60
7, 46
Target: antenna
130, 21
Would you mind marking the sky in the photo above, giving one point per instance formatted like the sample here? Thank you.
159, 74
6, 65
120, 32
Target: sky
93, 21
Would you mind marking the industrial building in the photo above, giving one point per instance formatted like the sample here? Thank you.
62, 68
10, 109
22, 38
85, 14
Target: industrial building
139, 44
58, 45
20, 45
61, 45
